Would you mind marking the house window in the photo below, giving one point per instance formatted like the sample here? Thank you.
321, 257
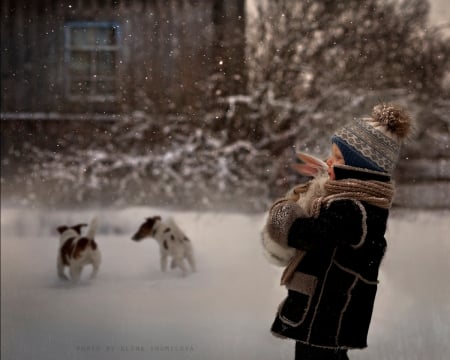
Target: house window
91, 58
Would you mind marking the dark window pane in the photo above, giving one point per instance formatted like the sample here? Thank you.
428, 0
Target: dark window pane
81, 36
106, 63
80, 63
106, 36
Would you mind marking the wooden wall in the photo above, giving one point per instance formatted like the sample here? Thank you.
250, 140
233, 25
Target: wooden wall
170, 52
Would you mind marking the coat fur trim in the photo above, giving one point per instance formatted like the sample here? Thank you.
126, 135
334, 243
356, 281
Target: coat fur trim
275, 253
363, 225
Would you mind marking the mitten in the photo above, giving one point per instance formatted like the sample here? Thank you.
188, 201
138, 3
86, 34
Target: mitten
281, 216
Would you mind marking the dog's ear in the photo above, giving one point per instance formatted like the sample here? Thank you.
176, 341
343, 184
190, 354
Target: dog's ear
78, 227
62, 228
150, 222
153, 219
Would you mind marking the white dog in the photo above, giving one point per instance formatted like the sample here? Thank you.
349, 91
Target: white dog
172, 241
76, 251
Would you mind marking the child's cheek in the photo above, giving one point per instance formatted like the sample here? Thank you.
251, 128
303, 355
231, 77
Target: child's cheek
331, 173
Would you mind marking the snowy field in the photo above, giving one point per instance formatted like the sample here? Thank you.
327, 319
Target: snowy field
224, 311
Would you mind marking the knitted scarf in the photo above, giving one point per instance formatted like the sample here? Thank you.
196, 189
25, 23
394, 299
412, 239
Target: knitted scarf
377, 193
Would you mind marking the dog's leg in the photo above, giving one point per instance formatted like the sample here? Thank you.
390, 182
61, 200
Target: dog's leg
191, 260
179, 261
163, 261
95, 267
75, 273
60, 268
96, 260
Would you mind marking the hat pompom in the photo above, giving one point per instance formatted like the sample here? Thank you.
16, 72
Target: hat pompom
393, 119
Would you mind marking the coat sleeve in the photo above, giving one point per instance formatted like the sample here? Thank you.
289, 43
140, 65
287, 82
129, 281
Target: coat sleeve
343, 222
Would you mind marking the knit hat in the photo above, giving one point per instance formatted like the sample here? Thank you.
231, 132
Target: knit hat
374, 143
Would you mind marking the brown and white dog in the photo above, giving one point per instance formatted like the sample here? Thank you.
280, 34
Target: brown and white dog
171, 240
76, 251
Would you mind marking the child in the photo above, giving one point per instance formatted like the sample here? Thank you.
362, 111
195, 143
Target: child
330, 234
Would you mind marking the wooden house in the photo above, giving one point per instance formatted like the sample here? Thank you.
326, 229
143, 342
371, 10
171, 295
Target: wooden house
101, 58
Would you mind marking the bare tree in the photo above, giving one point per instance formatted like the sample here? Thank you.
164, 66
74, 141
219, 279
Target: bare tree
300, 48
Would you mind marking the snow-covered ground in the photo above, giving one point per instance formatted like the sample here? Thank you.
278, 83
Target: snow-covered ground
224, 311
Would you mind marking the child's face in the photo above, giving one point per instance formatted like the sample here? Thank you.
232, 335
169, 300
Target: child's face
335, 158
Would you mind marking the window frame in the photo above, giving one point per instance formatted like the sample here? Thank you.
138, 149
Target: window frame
92, 94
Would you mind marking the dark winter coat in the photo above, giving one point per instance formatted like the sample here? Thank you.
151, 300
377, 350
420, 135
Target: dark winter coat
331, 294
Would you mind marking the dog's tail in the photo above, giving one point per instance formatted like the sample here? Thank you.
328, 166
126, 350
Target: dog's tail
92, 228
